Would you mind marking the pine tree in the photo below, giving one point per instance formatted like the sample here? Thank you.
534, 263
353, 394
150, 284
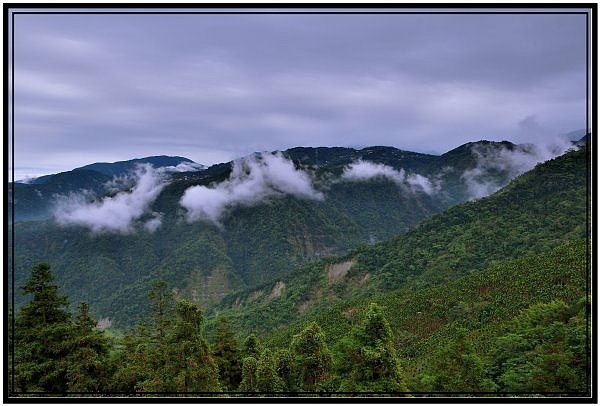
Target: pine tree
249, 366
178, 362
42, 334
374, 365
267, 379
190, 365
252, 347
284, 366
88, 368
226, 354
142, 359
260, 375
312, 358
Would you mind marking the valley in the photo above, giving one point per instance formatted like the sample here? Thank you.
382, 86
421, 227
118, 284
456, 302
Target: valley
334, 236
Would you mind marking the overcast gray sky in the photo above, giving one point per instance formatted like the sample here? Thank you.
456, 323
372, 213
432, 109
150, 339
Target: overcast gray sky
212, 87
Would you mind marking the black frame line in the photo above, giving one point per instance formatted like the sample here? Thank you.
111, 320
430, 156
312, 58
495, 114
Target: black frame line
13, 9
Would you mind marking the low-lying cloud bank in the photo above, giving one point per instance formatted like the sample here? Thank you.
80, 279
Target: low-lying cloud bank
366, 170
253, 179
117, 213
184, 167
265, 176
514, 162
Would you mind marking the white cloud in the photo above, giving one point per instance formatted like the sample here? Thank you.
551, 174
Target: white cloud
513, 162
366, 170
45, 85
116, 213
184, 167
154, 223
253, 179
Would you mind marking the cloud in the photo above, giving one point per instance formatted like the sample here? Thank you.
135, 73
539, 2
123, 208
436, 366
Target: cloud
513, 162
224, 86
253, 179
154, 223
184, 167
420, 181
366, 170
117, 213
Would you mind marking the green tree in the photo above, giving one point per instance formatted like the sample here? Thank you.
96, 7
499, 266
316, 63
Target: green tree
312, 358
374, 365
226, 354
160, 310
267, 379
143, 366
544, 352
456, 367
252, 347
88, 366
178, 362
284, 366
42, 335
249, 366
190, 366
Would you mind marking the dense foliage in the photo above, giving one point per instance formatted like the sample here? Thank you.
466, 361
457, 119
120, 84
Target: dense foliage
523, 338
535, 213
255, 243
488, 297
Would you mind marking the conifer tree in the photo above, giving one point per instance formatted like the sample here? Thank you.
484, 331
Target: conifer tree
312, 358
260, 375
42, 334
190, 365
375, 367
143, 366
249, 366
284, 366
88, 368
267, 379
226, 354
252, 347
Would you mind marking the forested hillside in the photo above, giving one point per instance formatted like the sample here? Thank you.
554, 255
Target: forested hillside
536, 212
109, 237
489, 297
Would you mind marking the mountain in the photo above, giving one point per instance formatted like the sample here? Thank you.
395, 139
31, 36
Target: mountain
258, 220
487, 297
35, 199
475, 264
121, 168
577, 135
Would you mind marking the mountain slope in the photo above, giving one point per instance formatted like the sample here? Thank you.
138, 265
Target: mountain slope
260, 243
123, 167
535, 213
35, 200
455, 328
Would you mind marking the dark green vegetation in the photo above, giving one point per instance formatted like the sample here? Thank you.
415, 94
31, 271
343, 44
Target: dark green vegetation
53, 351
535, 213
203, 262
489, 296
507, 330
34, 200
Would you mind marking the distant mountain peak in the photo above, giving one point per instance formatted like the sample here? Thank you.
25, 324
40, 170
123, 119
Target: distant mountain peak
120, 168
158, 161
576, 135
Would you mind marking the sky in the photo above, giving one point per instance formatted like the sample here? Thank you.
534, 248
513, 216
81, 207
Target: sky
214, 87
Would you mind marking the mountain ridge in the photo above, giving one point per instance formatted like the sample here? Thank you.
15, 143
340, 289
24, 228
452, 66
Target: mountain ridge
253, 242
37, 194
518, 221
